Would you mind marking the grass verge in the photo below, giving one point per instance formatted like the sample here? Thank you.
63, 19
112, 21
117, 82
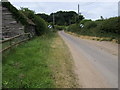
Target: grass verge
95, 38
44, 62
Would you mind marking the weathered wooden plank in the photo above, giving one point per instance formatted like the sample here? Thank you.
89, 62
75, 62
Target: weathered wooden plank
13, 37
14, 45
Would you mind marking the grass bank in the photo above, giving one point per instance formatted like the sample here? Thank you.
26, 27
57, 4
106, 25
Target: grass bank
44, 62
97, 38
100, 30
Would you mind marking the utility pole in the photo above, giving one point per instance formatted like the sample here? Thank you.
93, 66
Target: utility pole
53, 19
78, 13
78, 9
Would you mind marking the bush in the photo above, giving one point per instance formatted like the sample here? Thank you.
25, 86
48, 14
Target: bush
84, 21
57, 27
74, 28
111, 25
90, 24
41, 25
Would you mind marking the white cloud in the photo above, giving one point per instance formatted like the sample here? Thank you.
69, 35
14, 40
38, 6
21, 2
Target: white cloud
97, 9
64, 0
91, 10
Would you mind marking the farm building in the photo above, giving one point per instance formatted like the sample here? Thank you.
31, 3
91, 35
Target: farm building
15, 22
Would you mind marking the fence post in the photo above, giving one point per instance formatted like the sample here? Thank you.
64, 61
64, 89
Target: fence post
10, 42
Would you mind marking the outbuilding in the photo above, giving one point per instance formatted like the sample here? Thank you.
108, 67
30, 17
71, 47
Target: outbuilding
15, 22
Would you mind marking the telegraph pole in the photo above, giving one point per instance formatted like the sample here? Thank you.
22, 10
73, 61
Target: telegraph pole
78, 13
53, 20
78, 9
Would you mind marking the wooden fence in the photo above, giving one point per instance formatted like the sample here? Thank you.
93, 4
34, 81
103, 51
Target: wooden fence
13, 41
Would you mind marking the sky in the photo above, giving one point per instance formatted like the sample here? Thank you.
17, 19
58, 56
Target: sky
90, 10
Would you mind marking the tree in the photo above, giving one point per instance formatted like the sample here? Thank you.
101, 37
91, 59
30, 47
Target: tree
44, 16
101, 17
79, 18
63, 17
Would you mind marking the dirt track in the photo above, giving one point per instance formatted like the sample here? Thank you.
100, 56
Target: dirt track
96, 64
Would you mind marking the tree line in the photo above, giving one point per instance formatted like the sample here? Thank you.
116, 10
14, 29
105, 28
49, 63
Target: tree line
62, 18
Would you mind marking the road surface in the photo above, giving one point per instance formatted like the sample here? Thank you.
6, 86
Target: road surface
95, 66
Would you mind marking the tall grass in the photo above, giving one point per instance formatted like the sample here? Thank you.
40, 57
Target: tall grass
44, 62
26, 66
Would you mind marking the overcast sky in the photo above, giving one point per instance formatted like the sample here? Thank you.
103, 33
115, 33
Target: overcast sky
91, 10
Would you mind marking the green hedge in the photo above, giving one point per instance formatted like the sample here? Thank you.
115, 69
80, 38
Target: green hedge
57, 27
111, 25
41, 25
74, 28
101, 28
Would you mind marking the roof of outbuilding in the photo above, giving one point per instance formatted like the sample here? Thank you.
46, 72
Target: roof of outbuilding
28, 20
19, 16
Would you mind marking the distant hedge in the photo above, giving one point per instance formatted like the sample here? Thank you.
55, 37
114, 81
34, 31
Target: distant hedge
111, 25
57, 27
74, 28
106, 27
90, 24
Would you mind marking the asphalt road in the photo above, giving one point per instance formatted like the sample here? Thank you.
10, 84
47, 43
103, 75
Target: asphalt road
100, 66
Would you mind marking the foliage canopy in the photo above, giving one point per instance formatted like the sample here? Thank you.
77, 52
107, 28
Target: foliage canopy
41, 26
63, 17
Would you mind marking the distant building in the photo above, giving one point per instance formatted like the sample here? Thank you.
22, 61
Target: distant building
12, 27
